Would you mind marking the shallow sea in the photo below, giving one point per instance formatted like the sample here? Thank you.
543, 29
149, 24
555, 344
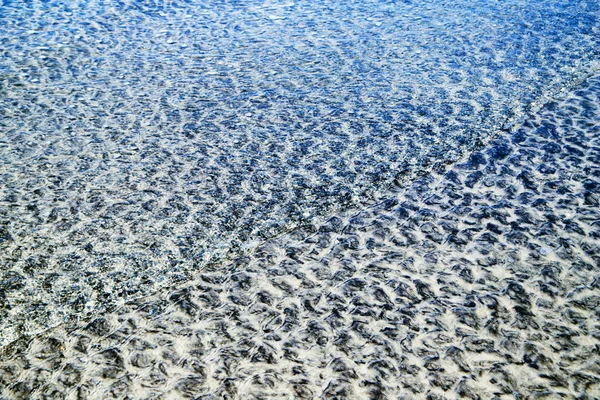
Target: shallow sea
239, 162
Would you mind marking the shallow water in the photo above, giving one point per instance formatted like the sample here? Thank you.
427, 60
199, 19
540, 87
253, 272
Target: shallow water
143, 141
478, 281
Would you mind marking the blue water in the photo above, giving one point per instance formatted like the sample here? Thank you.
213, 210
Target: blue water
141, 140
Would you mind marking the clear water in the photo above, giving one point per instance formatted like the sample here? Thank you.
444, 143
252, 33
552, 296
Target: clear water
141, 140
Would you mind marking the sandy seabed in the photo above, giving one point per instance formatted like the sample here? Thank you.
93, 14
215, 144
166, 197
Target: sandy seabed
479, 280
144, 141
275, 200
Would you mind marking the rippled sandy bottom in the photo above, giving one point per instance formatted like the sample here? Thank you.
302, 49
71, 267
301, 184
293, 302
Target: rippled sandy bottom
477, 281
141, 140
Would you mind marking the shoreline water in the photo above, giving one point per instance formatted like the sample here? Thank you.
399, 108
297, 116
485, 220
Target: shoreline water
221, 257
477, 281
140, 141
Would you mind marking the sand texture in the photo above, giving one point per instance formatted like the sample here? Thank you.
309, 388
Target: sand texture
479, 280
144, 141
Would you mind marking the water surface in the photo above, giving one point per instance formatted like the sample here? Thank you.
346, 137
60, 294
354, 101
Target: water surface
142, 140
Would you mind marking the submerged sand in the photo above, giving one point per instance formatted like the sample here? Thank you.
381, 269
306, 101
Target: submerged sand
141, 141
479, 280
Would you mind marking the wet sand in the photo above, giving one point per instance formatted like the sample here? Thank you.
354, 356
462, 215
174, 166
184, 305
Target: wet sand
479, 280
